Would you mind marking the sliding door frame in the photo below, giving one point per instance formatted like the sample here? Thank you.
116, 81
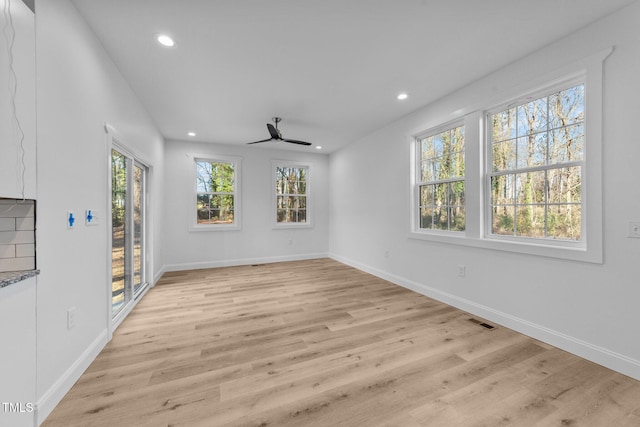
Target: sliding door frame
115, 142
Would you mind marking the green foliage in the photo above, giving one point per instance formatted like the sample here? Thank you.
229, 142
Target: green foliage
547, 131
215, 187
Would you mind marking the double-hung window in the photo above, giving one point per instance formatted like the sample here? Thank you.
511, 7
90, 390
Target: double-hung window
519, 170
217, 199
291, 195
536, 151
441, 180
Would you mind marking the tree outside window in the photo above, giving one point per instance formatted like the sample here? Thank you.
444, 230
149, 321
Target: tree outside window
441, 183
291, 194
215, 192
537, 155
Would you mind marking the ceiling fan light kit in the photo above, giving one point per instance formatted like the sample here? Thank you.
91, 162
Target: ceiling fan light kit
277, 136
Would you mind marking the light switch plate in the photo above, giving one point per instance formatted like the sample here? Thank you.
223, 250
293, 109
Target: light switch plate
634, 229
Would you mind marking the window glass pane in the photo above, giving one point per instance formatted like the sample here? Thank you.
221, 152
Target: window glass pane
457, 164
530, 221
531, 187
567, 144
426, 195
119, 229
438, 145
456, 194
566, 107
457, 218
504, 155
532, 117
502, 220
504, 125
426, 218
204, 177
532, 150
503, 190
441, 194
565, 185
565, 221
441, 218
457, 136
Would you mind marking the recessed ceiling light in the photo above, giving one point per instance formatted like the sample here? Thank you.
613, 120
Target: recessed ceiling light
165, 40
318, 147
403, 96
191, 134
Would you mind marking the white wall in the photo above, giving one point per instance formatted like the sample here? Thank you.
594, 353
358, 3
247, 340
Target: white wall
18, 354
257, 241
16, 176
589, 309
18, 301
78, 90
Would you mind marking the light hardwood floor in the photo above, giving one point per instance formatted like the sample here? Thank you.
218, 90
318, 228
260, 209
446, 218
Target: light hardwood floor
318, 343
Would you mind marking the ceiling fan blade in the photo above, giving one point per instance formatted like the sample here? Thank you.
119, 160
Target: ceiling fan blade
273, 132
262, 140
293, 141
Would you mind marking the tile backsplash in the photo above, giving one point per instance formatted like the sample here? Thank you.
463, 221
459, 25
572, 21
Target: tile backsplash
17, 235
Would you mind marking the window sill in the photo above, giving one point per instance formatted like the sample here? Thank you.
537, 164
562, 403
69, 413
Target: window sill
292, 225
214, 227
537, 248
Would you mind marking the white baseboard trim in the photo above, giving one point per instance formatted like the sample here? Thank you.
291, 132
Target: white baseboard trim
59, 389
600, 355
241, 261
158, 275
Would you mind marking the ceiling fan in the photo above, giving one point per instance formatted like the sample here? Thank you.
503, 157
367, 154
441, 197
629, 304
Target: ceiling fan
277, 136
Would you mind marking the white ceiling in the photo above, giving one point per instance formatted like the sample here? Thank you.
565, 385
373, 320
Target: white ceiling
330, 68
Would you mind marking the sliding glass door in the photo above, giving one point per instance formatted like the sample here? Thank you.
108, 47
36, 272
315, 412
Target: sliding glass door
128, 191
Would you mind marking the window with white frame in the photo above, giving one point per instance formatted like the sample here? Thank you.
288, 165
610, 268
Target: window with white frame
536, 151
291, 194
532, 167
217, 198
441, 180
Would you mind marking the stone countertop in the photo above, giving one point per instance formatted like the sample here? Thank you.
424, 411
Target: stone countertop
11, 277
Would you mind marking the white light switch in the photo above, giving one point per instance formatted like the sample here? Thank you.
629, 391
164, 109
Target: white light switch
634, 229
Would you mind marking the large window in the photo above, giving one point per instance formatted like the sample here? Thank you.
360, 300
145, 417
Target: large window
217, 201
519, 169
537, 152
441, 180
291, 196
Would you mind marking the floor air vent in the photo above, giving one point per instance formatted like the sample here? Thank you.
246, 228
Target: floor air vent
481, 323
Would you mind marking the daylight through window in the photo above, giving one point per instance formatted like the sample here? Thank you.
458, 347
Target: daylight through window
441, 185
215, 192
537, 154
291, 185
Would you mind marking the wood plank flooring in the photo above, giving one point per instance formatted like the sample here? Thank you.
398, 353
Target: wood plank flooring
318, 343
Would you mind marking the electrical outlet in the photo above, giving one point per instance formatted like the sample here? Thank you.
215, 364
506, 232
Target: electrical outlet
462, 270
634, 229
71, 318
